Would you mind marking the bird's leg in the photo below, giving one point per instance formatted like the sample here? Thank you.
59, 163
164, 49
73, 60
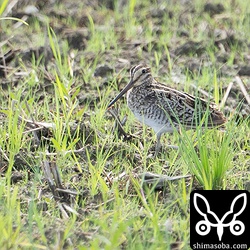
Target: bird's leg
158, 144
118, 123
173, 146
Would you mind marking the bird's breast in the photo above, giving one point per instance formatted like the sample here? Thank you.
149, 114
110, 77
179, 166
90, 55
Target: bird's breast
147, 111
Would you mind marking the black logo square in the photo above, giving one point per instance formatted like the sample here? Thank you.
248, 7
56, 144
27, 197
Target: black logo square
220, 219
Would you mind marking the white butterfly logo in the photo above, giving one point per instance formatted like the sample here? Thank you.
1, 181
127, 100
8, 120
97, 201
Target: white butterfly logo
203, 227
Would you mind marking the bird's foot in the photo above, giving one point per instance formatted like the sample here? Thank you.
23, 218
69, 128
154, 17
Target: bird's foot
173, 147
159, 147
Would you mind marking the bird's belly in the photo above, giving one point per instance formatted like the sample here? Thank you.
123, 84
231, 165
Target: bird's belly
159, 126
149, 113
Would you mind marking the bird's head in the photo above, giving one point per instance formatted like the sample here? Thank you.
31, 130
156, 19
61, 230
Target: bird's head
139, 74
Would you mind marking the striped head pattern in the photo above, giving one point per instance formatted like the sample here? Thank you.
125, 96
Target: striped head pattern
140, 74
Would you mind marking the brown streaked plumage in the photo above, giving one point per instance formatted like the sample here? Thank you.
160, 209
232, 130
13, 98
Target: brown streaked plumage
165, 109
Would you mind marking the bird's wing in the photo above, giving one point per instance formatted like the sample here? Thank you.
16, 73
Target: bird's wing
186, 109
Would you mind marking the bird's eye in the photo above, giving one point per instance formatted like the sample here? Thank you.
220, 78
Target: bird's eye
143, 71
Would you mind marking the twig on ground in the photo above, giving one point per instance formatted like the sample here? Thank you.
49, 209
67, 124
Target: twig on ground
23, 19
56, 175
70, 209
49, 177
120, 176
67, 191
152, 179
32, 130
9, 7
63, 211
243, 89
37, 124
205, 93
143, 195
224, 99
4, 155
103, 203
159, 180
62, 196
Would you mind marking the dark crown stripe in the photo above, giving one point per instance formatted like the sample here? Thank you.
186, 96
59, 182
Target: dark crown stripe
132, 70
136, 68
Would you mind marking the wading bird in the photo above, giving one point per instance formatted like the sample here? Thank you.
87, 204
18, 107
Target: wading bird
165, 109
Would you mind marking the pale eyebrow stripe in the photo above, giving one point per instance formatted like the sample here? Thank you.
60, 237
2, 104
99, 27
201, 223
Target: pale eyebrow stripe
136, 68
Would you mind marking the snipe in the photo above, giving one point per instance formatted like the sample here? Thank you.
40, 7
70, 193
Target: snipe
165, 109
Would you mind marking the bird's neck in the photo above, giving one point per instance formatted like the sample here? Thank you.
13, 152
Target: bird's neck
141, 89
144, 84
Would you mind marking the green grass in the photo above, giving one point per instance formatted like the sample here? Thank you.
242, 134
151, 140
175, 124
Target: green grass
209, 157
112, 212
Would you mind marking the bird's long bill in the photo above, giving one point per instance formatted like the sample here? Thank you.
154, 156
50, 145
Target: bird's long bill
127, 87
